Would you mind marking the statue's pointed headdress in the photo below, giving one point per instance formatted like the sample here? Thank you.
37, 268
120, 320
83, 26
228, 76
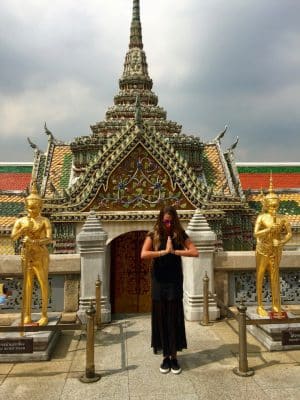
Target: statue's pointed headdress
34, 194
271, 195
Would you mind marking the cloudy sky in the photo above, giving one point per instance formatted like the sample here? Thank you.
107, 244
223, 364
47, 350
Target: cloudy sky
213, 63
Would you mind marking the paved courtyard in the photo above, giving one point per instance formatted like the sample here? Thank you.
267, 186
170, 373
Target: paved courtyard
129, 369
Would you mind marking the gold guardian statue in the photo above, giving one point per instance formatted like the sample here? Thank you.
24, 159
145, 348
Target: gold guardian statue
35, 233
272, 231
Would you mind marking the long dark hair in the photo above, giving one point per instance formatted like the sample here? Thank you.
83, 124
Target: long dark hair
160, 234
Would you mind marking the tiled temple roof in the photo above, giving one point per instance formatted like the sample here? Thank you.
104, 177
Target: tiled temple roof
214, 168
286, 183
280, 180
59, 169
14, 180
100, 168
14, 177
289, 205
11, 206
257, 176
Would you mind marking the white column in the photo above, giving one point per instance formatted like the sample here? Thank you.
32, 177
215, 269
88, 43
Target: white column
91, 242
194, 269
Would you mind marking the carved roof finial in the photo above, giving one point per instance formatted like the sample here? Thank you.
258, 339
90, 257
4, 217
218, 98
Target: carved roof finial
221, 134
136, 27
233, 146
48, 133
33, 146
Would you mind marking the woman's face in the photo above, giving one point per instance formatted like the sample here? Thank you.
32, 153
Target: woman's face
167, 221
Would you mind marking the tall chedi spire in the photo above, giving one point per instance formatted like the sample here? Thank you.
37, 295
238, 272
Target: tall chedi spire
135, 81
136, 27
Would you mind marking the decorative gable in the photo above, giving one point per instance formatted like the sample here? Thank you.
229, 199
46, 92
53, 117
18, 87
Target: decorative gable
139, 183
137, 169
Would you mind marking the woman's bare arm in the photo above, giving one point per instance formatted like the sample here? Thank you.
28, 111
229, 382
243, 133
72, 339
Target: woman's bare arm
148, 252
189, 251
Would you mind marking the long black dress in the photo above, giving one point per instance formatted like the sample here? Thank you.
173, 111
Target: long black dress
168, 330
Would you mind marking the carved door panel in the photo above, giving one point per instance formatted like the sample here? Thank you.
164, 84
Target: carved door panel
130, 276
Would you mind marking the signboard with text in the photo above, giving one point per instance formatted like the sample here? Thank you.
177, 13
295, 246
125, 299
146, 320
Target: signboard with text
15, 346
291, 337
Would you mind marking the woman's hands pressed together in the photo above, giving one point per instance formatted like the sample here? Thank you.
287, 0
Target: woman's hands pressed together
169, 246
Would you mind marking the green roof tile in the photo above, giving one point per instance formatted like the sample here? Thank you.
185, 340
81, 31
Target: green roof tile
10, 209
24, 169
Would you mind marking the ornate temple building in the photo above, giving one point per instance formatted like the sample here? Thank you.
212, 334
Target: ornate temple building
133, 162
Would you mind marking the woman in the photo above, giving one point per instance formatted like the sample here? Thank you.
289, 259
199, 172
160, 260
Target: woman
166, 244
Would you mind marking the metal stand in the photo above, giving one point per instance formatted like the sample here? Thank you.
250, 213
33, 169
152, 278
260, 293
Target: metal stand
98, 302
242, 369
90, 375
205, 316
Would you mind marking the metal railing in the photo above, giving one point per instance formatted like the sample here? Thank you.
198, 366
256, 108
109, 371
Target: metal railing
92, 315
242, 319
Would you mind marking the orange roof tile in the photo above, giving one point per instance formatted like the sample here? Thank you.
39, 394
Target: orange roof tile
14, 181
56, 168
261, 180
7, 221
214, 169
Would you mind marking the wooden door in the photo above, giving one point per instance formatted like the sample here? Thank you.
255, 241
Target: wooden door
130, 276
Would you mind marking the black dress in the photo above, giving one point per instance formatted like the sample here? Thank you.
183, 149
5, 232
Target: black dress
168, 330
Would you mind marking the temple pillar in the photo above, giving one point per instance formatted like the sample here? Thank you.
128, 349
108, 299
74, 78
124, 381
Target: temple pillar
91, 242
194, 269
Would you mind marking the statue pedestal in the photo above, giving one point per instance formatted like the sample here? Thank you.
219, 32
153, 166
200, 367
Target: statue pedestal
43, 341
271, 335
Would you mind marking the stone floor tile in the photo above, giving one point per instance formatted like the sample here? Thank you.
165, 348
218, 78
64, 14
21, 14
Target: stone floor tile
294, 355
108, 387
5, 368
2, 378
130, 370
67, 345
165, 396
286, 394
46, 368
33, 388
245, 388
279, 376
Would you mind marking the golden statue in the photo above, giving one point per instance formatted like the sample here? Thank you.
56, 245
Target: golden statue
272, 231
35, 233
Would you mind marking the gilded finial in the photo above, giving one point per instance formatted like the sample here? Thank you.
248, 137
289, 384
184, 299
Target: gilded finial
271, 183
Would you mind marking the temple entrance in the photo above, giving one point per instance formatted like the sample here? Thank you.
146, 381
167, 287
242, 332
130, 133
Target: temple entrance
130, 276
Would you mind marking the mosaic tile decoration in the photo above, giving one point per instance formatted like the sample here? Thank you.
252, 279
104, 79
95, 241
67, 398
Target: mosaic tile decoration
243, 286
13, 302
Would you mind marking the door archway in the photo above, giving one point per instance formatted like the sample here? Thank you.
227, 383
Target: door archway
130, 275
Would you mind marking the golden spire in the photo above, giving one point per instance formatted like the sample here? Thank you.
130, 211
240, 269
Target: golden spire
271, 183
